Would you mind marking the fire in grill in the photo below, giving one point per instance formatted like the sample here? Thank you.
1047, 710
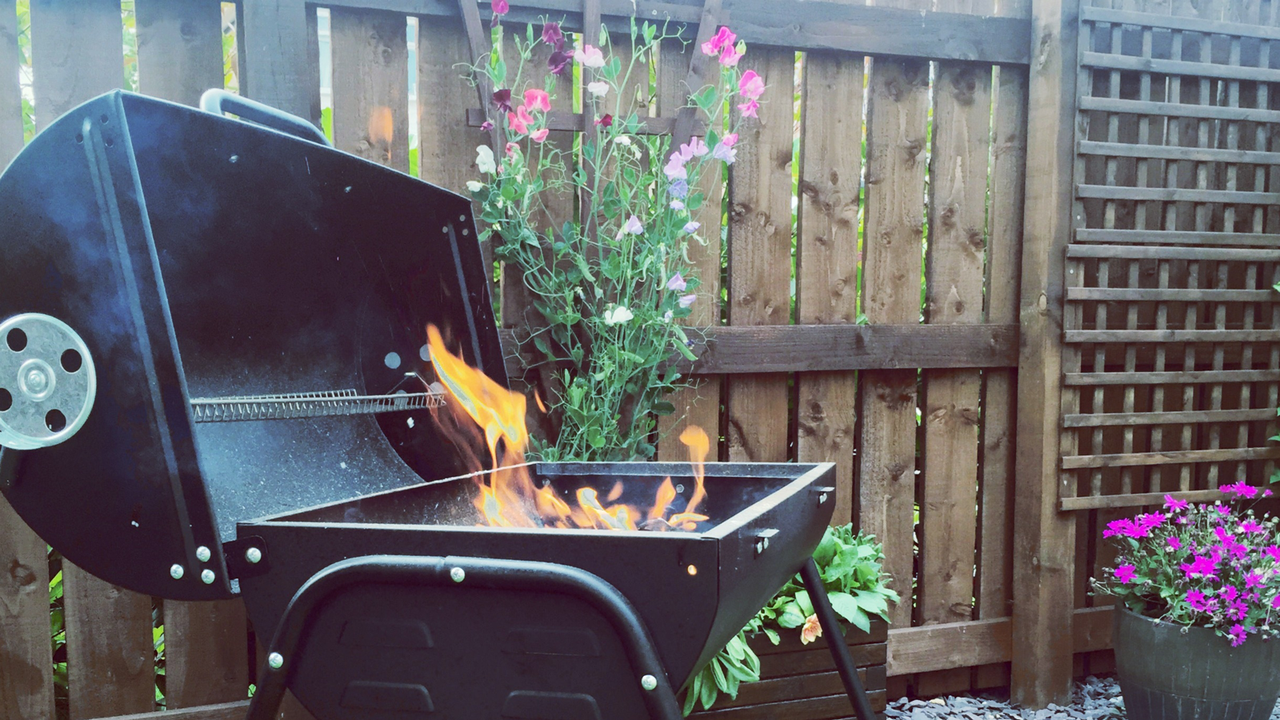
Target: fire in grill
180, 293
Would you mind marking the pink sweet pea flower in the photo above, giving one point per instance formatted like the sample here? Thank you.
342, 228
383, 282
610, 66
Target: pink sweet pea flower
749, 108
811, 631
499, 7
729, 140
537, 99
730, 55
589, 56
511, 149
519, 120
675, 168
1125, 573
694, 148
632, 226
723, 37
751, 85
677, 283
1172, 503
539, 135
486, 126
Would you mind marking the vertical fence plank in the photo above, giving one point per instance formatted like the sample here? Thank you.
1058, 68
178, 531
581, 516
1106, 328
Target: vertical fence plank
78, 46
206, 653
1044, 539
206, 644
1004, 255
26, 666
179, 48
830, 181
10, 85
760, 254
897, 114
26, 663
700, 405
370, 85
275, 54
446, 146
110, 659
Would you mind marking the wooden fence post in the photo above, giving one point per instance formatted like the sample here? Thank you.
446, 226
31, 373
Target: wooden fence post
1044, 538
277, 72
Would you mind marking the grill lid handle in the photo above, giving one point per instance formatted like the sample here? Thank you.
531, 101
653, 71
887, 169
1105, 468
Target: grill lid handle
218, 102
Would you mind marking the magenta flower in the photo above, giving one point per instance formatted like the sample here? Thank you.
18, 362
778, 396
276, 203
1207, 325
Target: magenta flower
589, 56
1275, 603
751, 85
1272, 552
1222, 509
1150, 521
749, 108
691, 227
1201, 566
1229, 593
1126, 527
687, 300
723, 37
1198, 601
675, 168
486, 126
500, 7
1241, 489
605, 121
502, 99
729, 140
1253, 580
1125, 573
1173, 543
559, 62
677, 283
537, 99
1237, 635
1172, 503
730, 55
1251, 527
552, 35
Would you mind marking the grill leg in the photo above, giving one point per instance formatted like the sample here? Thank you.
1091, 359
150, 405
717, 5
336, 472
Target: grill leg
839, 650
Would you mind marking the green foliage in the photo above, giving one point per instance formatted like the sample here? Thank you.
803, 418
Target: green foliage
608, 286
849, 565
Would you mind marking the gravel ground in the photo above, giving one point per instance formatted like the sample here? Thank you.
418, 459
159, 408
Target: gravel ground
1094, 698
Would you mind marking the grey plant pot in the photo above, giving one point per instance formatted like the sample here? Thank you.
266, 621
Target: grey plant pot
1169, 672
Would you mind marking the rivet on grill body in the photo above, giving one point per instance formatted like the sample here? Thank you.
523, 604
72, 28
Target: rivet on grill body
253, 555
649, 682
275, 660
458, 574
207, 577
176, 572
203, 554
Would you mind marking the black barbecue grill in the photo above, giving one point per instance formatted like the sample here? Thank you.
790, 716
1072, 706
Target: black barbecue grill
205, 320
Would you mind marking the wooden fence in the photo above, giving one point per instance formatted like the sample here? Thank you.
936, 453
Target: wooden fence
886, 308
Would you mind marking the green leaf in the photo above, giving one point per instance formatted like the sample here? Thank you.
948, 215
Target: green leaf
791, 617
845, 605
664, 408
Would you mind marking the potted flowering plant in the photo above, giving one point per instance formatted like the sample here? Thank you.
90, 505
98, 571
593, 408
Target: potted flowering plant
1199, 595
607, 286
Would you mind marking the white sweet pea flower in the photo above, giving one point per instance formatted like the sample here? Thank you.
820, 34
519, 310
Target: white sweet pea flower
598, 88
485, 161
474, 186
617, 315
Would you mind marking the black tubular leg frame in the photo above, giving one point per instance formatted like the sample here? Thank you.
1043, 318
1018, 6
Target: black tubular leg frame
474, 572
835, 640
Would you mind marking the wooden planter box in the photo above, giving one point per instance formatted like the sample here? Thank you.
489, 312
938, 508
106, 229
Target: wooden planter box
799, 682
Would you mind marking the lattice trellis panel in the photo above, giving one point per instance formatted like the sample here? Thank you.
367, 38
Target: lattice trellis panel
1172, 328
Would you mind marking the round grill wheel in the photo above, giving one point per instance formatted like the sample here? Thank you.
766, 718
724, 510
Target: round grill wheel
47, 382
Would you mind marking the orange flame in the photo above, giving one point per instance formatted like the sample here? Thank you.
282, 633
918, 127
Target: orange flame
381, 125
509, 497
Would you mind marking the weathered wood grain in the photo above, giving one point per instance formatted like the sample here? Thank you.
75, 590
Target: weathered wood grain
892, 267
1044, 540
370, 86
110, 659
179, 48
446, 146
206, 653
760, 255
275, 52
79, 48
828, 256
26, 665
11, 135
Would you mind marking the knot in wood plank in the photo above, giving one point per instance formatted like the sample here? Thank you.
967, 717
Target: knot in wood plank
22, 576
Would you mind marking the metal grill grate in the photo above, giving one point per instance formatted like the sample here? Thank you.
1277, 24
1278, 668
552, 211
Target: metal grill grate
307, 405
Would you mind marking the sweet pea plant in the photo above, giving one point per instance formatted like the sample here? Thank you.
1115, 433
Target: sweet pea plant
1213, 566
608, 286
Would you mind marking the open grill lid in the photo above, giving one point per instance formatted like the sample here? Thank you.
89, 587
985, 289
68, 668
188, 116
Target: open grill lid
214, 276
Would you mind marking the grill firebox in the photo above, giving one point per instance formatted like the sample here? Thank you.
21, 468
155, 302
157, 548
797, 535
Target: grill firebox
249, 308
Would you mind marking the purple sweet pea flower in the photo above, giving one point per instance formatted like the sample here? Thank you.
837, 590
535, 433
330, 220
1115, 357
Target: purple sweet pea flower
691, 227
679, 188
552, 35
687, 300
677, 283
724, 153
632, 227
502, 99
559, 62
